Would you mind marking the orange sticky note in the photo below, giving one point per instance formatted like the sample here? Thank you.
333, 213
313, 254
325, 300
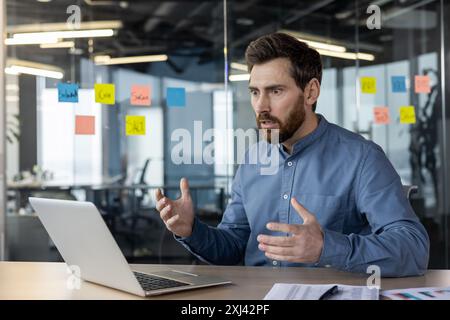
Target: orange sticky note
408, 115
369, 85
135, 125
381, 115
140, 95
423, 84
105, 93
85, 125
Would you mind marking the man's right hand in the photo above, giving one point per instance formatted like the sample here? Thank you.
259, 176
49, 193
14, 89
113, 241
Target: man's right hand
178, 215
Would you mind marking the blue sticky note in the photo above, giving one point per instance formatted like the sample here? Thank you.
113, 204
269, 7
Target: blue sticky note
176, 97
67, 92
398, 84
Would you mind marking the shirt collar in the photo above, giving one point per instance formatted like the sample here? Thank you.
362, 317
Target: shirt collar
304, 142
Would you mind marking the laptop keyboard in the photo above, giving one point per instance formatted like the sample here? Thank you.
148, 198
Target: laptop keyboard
151, 282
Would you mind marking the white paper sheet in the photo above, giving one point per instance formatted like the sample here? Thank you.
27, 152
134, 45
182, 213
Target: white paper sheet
293, 291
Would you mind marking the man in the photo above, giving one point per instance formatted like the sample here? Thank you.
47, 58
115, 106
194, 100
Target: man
335, 200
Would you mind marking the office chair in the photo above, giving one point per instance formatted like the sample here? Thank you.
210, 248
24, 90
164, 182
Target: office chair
409, 191
416, 204
141, 181
121, 205
137, 220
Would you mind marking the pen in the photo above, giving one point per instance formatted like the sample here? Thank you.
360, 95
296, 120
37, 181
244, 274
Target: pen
329, 293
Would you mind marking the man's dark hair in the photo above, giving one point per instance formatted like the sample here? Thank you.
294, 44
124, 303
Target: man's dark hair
305, 61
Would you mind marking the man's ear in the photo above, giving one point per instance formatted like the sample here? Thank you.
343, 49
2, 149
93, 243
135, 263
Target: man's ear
312, 92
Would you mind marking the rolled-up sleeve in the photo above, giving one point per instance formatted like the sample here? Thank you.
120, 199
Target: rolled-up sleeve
398, 243
225, 244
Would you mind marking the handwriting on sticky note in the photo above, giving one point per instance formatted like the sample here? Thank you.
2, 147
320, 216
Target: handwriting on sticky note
84, 125
135, 125
398, 84
369, 85
67, 92
423, 84
105, 93
381, 115
408, 115
140, 95
176, 97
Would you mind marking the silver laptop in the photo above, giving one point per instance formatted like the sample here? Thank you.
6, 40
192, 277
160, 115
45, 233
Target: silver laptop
83, 240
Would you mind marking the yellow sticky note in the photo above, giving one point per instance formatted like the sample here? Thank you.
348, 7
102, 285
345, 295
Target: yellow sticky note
369, 85
408, 115
105, 93
135, 125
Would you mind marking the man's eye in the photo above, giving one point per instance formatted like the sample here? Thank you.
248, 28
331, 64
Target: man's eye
276, 91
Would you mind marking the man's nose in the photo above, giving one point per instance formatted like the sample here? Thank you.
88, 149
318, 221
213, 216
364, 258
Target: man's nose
262, 104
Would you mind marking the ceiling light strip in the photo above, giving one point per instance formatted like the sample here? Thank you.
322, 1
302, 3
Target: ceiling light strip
65, 34
103, 60
34, 71
45, 27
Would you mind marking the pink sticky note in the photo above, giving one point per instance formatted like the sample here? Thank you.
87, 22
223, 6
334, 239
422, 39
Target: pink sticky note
423, 84
140, 95
381, 115
85, 125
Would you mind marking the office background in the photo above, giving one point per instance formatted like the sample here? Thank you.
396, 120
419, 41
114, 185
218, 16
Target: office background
204, 43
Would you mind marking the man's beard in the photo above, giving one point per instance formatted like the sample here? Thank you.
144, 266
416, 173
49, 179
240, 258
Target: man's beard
295, 119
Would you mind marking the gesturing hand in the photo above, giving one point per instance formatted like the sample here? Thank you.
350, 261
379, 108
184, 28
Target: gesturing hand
178, 215
304, 245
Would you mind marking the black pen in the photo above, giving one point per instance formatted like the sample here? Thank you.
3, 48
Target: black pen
329, 293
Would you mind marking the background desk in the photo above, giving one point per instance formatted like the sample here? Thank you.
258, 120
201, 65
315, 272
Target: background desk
128, 210
37, 280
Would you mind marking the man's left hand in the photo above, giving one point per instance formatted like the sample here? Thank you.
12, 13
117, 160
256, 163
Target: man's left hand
305, 243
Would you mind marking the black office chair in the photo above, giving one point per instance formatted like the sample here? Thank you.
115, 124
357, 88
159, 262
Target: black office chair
409, 191
416, 204
137, 221
124, 202
141, 181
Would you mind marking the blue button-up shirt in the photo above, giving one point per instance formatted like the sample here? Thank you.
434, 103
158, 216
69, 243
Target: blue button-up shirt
346, 181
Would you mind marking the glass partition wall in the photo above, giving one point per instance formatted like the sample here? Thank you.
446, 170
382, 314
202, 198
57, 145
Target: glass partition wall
133, 95
412, 41
105, 101
2, 136
383, 63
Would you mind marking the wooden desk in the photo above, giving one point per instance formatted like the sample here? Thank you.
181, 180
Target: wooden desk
38, 280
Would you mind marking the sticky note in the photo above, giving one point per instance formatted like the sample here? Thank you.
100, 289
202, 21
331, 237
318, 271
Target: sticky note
105, 93
408, 115
135, 125
140, 95
381, 115
67, 92
176, 97
423, 84
84, 125
369, 85
398, 84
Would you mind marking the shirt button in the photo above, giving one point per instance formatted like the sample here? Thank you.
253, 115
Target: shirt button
285, 197
290, 164
275, 263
